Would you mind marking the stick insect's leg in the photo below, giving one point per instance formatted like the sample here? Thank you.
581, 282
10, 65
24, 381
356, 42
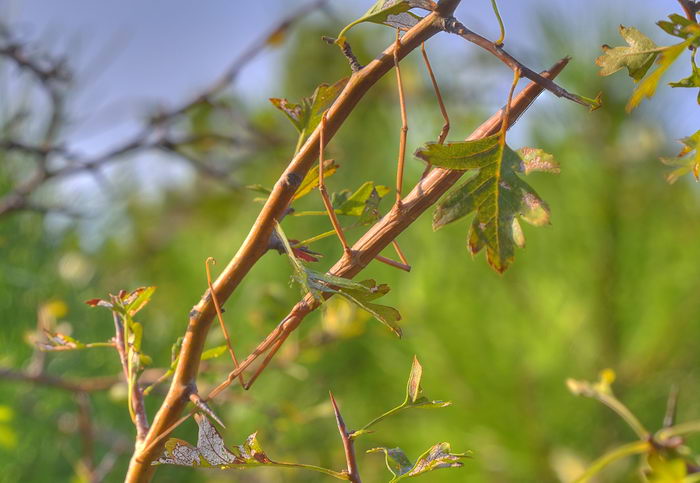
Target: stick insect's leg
268, 358
220, 316
404, 122
324, 193
445, 127
403, 265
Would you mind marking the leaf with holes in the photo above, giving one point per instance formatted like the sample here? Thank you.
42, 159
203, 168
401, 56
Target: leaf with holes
393, 13
211, 452
687, 161
307, 114
437, 457
637, 57
496, 193
677, 25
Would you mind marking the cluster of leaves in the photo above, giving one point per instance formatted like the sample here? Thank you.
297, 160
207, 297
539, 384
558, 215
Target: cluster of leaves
496, 193
211, 451
665, 458
639, 56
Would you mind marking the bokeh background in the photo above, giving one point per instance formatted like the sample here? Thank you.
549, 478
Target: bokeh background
613, 282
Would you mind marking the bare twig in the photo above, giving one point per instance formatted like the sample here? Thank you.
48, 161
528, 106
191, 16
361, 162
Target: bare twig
348, 444
452, 25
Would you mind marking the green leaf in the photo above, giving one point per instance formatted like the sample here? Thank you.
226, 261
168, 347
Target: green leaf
414, 391
437, 457
686, 162
211, 452
55, 341
462, 155
677, 26
414, 399
497, 195
310, 181
637, 58
647, 88
213, 353
367, 195
393, 13
307, 114
138, 299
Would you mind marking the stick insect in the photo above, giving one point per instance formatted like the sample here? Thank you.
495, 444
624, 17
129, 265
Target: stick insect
403, 264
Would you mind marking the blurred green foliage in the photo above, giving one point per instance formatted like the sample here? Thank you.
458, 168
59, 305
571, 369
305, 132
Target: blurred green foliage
613, 282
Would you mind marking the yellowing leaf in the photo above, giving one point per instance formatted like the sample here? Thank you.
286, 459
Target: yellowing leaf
496, 193
686, 161
647, 87
637, 58
307, 114
665, 470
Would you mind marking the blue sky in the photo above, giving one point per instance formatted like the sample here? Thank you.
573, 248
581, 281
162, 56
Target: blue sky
134, 53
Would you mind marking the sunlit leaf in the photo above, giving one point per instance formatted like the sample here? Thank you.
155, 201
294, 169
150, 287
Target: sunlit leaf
211, 452
307, 114
369, 194
687, 161
637, 57
437, 457
138, 299
647, 88
496, 193
310, 181
414, 391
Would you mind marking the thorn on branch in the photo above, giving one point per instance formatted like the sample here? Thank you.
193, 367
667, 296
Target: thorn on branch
348, 444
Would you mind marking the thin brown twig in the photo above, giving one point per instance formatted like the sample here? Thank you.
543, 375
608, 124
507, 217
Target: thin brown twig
348, 444
452, 25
